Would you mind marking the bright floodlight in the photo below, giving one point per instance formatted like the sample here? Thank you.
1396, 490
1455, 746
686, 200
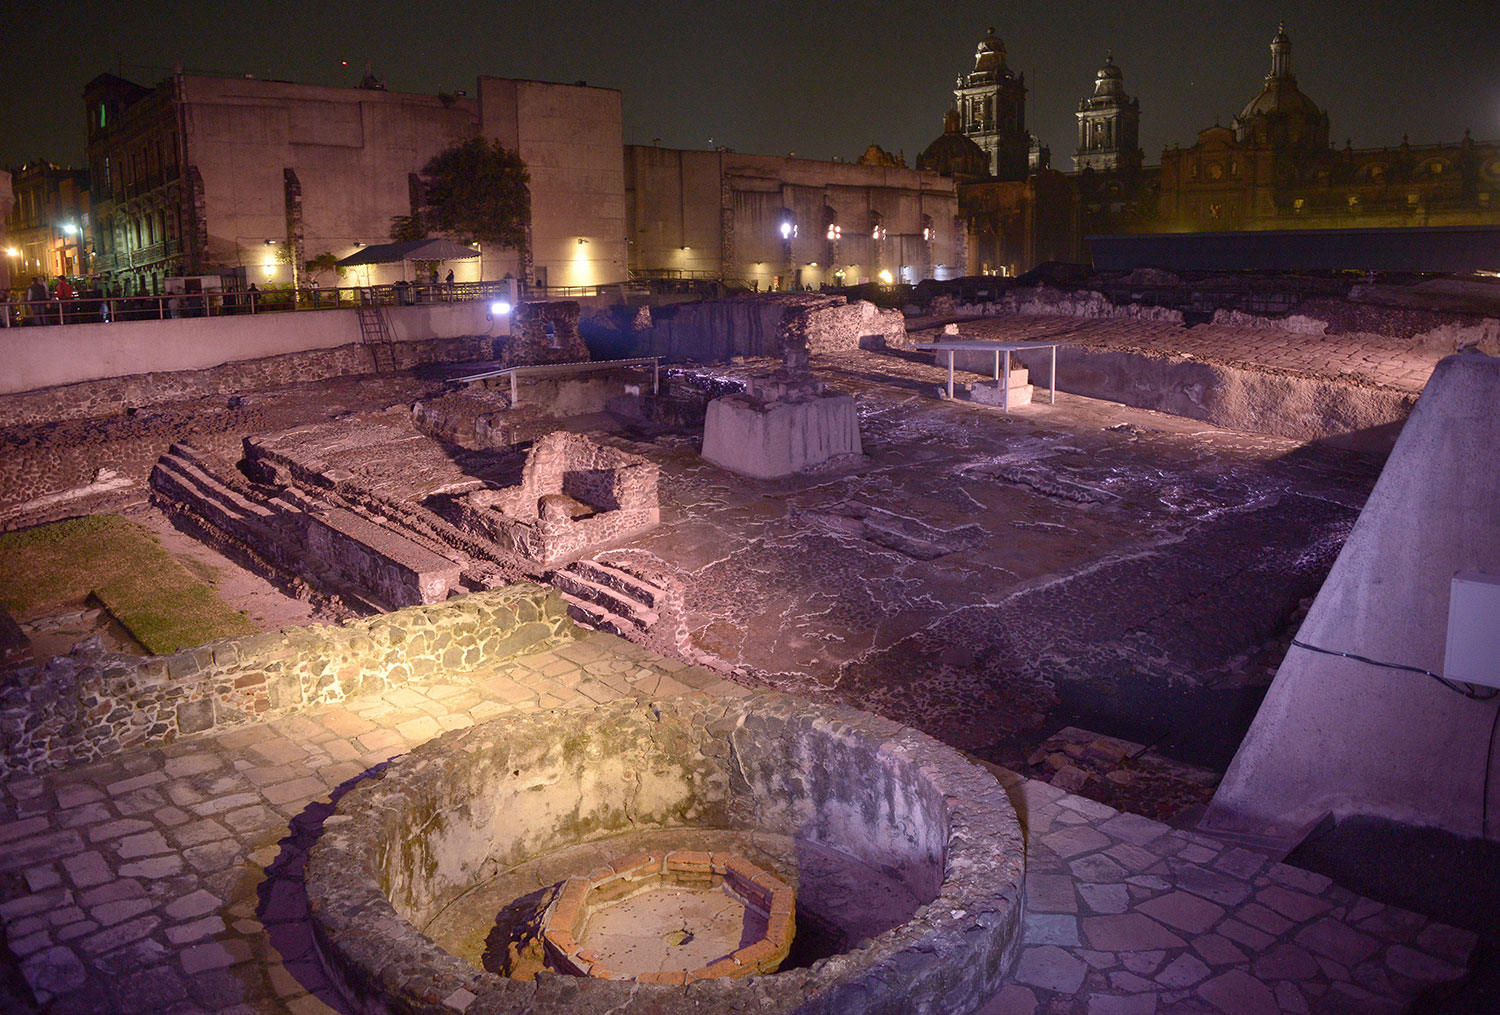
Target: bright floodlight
786, 230
499, 308
70, 228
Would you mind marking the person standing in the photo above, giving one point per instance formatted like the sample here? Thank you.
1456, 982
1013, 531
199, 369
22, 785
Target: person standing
64, 299
36, 302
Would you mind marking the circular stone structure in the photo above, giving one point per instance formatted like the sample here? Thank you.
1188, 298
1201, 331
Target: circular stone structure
810, 780
683, 916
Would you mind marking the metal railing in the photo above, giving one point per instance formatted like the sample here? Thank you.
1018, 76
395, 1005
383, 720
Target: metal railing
96, 309
551, 369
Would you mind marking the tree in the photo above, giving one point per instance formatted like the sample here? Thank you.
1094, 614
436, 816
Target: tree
405, 228
477, 190
325, 262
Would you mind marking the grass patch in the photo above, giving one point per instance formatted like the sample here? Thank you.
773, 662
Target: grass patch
119, 563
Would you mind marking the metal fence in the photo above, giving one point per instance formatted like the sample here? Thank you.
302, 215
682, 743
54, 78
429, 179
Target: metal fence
228, 303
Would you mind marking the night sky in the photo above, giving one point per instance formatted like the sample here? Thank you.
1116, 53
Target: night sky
817, 79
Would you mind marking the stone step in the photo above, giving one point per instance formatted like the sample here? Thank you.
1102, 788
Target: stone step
620, 580
182, 479
596, 617
570, 583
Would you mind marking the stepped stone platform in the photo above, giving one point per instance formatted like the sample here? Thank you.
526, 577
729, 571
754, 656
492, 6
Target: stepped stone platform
169, 878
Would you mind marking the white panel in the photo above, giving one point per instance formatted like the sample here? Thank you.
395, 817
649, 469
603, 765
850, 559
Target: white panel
1474, 630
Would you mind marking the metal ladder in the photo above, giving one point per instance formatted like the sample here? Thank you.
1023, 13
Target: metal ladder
375, 333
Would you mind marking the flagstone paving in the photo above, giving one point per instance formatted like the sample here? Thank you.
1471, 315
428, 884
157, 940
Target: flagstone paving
169, 879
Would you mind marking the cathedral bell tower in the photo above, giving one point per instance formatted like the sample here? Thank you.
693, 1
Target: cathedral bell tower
1109, 124
991, 102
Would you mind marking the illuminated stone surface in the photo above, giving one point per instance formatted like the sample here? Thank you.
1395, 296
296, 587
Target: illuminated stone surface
679, 917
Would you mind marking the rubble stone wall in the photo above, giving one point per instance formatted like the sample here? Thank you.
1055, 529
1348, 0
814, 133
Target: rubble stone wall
715, 331
114, 395
92, 703
845, 328
544, 333
534, 518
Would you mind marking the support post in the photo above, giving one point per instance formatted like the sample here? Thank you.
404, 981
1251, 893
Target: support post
950, 373
1005, 385
514, 396
1052, 381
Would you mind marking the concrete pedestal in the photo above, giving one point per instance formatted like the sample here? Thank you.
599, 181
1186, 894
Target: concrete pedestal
1017, 390
769, 440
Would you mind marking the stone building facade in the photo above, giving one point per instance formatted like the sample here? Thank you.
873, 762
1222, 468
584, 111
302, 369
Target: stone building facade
203, 174
991, 101
1109, 124
1272, 168
46, 223
779, 223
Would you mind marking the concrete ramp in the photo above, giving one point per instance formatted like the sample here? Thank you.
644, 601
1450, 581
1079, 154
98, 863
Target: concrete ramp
1343, 737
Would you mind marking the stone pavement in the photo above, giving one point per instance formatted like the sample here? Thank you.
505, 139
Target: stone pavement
1126, 916
1359, 357
169, 879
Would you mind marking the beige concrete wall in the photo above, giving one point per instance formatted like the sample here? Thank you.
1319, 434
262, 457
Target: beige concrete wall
676, 198
570, 137
672, 207
67, 354
352, 150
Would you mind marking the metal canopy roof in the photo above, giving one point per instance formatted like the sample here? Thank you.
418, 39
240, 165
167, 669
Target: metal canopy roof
411, 250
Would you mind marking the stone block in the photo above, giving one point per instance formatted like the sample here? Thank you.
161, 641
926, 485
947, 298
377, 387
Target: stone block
769, 441
195, 716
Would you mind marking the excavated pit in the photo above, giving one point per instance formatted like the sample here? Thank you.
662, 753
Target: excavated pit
435, 886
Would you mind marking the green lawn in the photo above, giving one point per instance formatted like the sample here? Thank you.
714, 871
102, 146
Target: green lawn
121, 565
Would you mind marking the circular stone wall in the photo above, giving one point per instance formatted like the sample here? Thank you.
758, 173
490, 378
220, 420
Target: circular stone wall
475, 803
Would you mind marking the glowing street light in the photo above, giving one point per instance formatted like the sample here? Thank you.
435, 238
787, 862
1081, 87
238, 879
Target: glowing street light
499, 308
788, 230
70, 228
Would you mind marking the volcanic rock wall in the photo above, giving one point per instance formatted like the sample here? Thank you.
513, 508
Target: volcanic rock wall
93, 703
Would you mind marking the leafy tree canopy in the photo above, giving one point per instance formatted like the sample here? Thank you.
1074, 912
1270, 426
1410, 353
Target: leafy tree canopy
477, 189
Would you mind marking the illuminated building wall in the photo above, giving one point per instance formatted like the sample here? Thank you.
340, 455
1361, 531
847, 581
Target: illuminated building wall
47, 224
570, 137
192, 176
775, 221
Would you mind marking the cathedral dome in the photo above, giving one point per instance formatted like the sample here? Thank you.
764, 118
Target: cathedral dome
989, 55
1281, 114
954, 154
1110, 80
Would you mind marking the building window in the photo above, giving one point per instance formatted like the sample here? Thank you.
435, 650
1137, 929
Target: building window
1413, 199
1298, 205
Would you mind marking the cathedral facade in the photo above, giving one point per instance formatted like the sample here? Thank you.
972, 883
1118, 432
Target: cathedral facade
1272, 168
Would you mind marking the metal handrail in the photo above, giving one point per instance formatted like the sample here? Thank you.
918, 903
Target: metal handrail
565, 368
234, 302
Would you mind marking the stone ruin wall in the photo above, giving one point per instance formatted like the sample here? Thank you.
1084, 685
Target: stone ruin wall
92, 703
113, 395
845, 328
1421, 329
621, 487
715, 331
529, 342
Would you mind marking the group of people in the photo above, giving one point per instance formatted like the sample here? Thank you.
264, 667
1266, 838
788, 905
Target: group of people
42, 305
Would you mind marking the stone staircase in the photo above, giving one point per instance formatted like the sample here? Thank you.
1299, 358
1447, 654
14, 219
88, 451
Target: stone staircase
301, 541
625, 599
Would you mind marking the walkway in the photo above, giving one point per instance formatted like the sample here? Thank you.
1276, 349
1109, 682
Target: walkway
168, 880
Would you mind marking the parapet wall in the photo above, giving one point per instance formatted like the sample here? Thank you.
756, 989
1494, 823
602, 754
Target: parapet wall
48, 357
92, 703
112, 395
